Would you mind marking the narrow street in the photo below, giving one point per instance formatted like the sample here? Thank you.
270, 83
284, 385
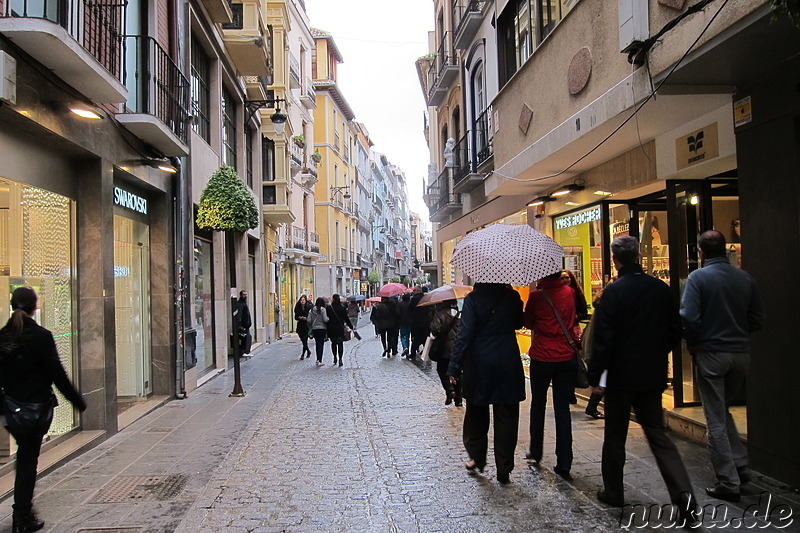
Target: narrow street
369, 446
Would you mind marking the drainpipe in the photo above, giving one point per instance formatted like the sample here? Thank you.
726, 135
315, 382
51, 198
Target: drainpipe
181, 221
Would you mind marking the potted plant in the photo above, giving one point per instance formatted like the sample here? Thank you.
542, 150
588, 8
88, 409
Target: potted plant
299, 140
316, 157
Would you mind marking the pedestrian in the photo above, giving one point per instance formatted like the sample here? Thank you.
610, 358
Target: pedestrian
385, 317
444, 327
404, 322
245, 321
637, 325
721, 308
301, 310
29, 367
337, 313
581, 309
420, 321
277, 307
352, 311
486, 350
553, 360
317, 321
586, 342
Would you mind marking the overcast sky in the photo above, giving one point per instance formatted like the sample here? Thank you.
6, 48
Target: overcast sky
380, 40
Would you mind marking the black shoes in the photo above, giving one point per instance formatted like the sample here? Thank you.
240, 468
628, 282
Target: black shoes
472, 466
744, 475
690, 514
603, 497
563, 473
26, 523
721, 493
597, 415
503, 478
450, 396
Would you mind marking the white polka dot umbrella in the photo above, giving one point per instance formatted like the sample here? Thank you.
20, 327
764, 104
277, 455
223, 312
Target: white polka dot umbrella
501, 253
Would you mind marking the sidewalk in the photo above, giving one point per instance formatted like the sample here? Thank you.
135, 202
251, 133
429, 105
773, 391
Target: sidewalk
366, 447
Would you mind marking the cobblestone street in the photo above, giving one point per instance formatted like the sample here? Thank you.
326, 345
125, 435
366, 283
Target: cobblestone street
366, 447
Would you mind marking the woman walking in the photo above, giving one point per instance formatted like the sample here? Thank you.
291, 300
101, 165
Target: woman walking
301, 310
337, 320
444, 327
569, 279
486, 350
29, 367
317, 321
552, 360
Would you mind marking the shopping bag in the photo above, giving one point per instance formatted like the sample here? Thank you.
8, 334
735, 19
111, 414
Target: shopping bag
426, 350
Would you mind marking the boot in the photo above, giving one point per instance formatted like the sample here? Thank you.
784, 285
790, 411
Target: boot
26, 523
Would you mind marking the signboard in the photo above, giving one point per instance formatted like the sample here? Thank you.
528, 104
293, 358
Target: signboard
131, 201
576, 219
742, 112
699, 146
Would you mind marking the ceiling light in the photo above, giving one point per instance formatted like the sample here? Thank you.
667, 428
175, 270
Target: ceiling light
694, 200
168, 168
540, 200
566, 189
86, 113
560, 192
573, 203
602, 193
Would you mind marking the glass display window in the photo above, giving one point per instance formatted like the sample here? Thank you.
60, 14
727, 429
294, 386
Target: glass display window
580, 234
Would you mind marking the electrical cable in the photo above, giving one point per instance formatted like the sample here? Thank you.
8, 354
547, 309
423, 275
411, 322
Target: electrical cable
639, 107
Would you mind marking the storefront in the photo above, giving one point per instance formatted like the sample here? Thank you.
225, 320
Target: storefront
667, 223
203, 301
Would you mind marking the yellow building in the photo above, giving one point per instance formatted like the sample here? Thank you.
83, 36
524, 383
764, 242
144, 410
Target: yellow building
336, 212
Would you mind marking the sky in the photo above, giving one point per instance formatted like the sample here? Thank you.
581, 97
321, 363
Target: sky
380, 41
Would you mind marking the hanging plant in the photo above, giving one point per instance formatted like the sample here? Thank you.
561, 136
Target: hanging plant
316, 157
226, 204
299, 140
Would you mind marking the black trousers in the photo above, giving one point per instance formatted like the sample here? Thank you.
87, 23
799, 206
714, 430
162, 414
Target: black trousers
562, 376
389, 338
302, 332
418, 337
28, 449
441, 369
476, 434
650, 415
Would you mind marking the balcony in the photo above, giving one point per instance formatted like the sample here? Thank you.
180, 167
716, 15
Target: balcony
313, 242
298, 238
218, 10
80, 41
275, 198
467, 18
309, 97
308, 177
441, 200
296, 156
294, 72
443, 71
157, 110
257, 87
245, 40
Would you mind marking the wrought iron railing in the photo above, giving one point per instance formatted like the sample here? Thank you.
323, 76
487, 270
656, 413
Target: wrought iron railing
237, 21
440, 193
155, 84
462, 8
483, 136
461, 158
444, 57
298, 238
96, 26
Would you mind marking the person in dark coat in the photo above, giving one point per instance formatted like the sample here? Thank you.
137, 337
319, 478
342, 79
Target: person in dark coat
301, 309
337, 314
486, 350
404, 322
420, 322
444, 328
385, 317
29, 367
245, 321
552, 361
636, 326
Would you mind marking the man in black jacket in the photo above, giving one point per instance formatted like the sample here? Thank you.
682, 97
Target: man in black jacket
637, 324
420, 322
245, 321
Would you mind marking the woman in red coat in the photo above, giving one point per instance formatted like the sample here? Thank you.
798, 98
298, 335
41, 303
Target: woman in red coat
552, 361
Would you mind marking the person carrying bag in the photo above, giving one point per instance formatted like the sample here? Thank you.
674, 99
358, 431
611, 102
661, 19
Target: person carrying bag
29, 367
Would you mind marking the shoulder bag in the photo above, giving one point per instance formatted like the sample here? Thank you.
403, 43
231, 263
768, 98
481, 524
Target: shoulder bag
27, 419
582, 376
348, 333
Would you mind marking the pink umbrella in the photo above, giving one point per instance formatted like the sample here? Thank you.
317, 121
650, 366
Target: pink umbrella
392, 289
374, 299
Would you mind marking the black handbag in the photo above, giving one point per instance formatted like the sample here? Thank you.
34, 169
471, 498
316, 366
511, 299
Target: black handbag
582, 376
28, 419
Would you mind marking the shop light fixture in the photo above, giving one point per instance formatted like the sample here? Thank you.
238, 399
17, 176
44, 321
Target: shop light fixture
602, 193
566, 189
162, 164
573, 203
694, 200
540, 200
86, 113
167, 168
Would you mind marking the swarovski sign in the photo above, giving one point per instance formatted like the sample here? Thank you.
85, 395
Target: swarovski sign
130, 201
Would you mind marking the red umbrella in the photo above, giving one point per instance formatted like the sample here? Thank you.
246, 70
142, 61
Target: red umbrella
374, 299
392, 289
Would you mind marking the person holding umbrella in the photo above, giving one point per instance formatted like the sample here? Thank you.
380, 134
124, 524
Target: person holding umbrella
444, 328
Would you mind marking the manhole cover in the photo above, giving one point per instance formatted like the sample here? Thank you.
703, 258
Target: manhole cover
141, 489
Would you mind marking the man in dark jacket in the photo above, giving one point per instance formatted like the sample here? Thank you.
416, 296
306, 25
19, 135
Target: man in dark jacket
245, 321
721, 308
637, 324
385, 317
404, 321
420, 322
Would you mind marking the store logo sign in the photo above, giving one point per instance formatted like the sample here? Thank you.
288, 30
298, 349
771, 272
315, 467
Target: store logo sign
130, 201
576, 219
700, 145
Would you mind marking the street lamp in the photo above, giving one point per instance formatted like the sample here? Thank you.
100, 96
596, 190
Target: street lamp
337, 190
278, 119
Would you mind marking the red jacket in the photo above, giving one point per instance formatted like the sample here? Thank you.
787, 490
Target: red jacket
548, 342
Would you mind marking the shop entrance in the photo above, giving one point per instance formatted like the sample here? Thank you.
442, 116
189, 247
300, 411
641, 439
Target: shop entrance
132, 310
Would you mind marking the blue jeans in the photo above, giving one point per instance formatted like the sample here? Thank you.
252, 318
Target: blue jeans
319, 341
405, 336
562, 375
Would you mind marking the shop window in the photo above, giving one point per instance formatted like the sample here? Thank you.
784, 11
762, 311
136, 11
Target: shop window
201, 94
203, 302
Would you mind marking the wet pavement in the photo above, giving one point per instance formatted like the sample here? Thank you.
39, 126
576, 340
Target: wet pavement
369, 446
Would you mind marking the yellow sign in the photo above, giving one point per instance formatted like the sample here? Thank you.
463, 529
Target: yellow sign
742, 112
698, 146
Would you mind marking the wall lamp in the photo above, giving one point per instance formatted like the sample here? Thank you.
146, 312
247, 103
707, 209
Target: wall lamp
278, 119
541, 200
85, 112
566, 189
337, 190
163, 165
